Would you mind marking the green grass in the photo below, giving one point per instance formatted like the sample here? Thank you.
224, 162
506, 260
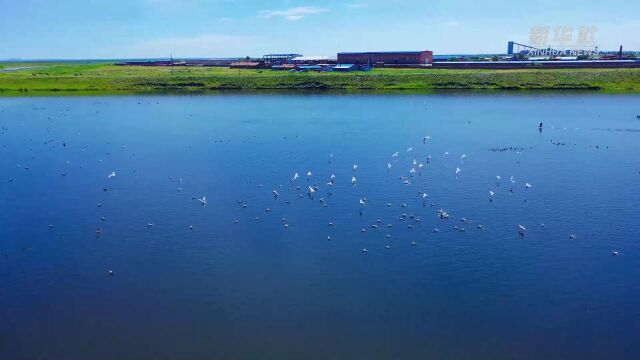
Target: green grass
108, 78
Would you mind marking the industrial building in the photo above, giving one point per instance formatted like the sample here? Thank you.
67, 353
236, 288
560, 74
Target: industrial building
315, 60
279, 58
385, 58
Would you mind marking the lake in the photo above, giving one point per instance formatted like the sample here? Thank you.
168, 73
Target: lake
106, 251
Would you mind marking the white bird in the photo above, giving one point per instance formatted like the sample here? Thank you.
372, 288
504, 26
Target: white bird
409, 149
388, 165
355, 167
458, 170
311, 189
498, 177
420, 166
362, 201
446, 153
463, 156
295, 176
203, 200
333, 176
527, 185
615, 253
521, 229
413, 170
424, 195
309, 173
395, 154
113, 174
491, 193
353, 180
365, 251
512, 179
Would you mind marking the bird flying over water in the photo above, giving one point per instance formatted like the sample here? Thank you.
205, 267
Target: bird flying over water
113, 174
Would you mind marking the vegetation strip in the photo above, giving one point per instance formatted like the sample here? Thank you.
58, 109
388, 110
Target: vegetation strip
108, 78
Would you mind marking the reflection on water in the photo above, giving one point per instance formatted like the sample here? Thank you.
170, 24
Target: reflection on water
174, 227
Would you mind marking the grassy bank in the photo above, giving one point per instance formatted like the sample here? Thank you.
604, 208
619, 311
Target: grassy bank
108, 78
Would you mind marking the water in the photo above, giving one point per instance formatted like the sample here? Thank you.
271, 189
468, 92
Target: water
255, 290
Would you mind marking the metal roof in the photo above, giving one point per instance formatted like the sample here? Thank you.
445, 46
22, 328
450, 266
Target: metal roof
540, 62
383, 52
281, 55
313, 58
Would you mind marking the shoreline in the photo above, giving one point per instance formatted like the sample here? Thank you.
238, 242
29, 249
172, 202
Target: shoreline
108, 79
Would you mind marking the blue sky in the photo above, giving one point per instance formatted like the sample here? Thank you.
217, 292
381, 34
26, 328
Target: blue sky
84, 29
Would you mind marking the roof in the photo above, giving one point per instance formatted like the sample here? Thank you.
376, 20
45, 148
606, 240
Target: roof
244, 63
313, 58
383, 52
282, 55
540, 62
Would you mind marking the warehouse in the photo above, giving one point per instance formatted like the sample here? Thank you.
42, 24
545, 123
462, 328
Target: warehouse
386, 58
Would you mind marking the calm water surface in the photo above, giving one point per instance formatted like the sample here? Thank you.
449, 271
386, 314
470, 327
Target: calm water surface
257, 290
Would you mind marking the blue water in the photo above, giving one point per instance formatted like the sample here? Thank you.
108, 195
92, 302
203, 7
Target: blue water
257, 290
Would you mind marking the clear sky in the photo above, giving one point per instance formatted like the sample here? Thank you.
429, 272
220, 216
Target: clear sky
83, 29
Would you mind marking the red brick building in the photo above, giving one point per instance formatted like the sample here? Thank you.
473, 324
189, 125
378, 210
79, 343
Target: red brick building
386, 57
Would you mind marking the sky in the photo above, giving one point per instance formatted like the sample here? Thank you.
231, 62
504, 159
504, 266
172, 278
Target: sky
119, 29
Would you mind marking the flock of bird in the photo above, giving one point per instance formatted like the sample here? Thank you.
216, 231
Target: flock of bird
305, 185
412, 164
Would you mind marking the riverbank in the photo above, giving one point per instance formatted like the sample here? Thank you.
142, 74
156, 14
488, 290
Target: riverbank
111, 79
